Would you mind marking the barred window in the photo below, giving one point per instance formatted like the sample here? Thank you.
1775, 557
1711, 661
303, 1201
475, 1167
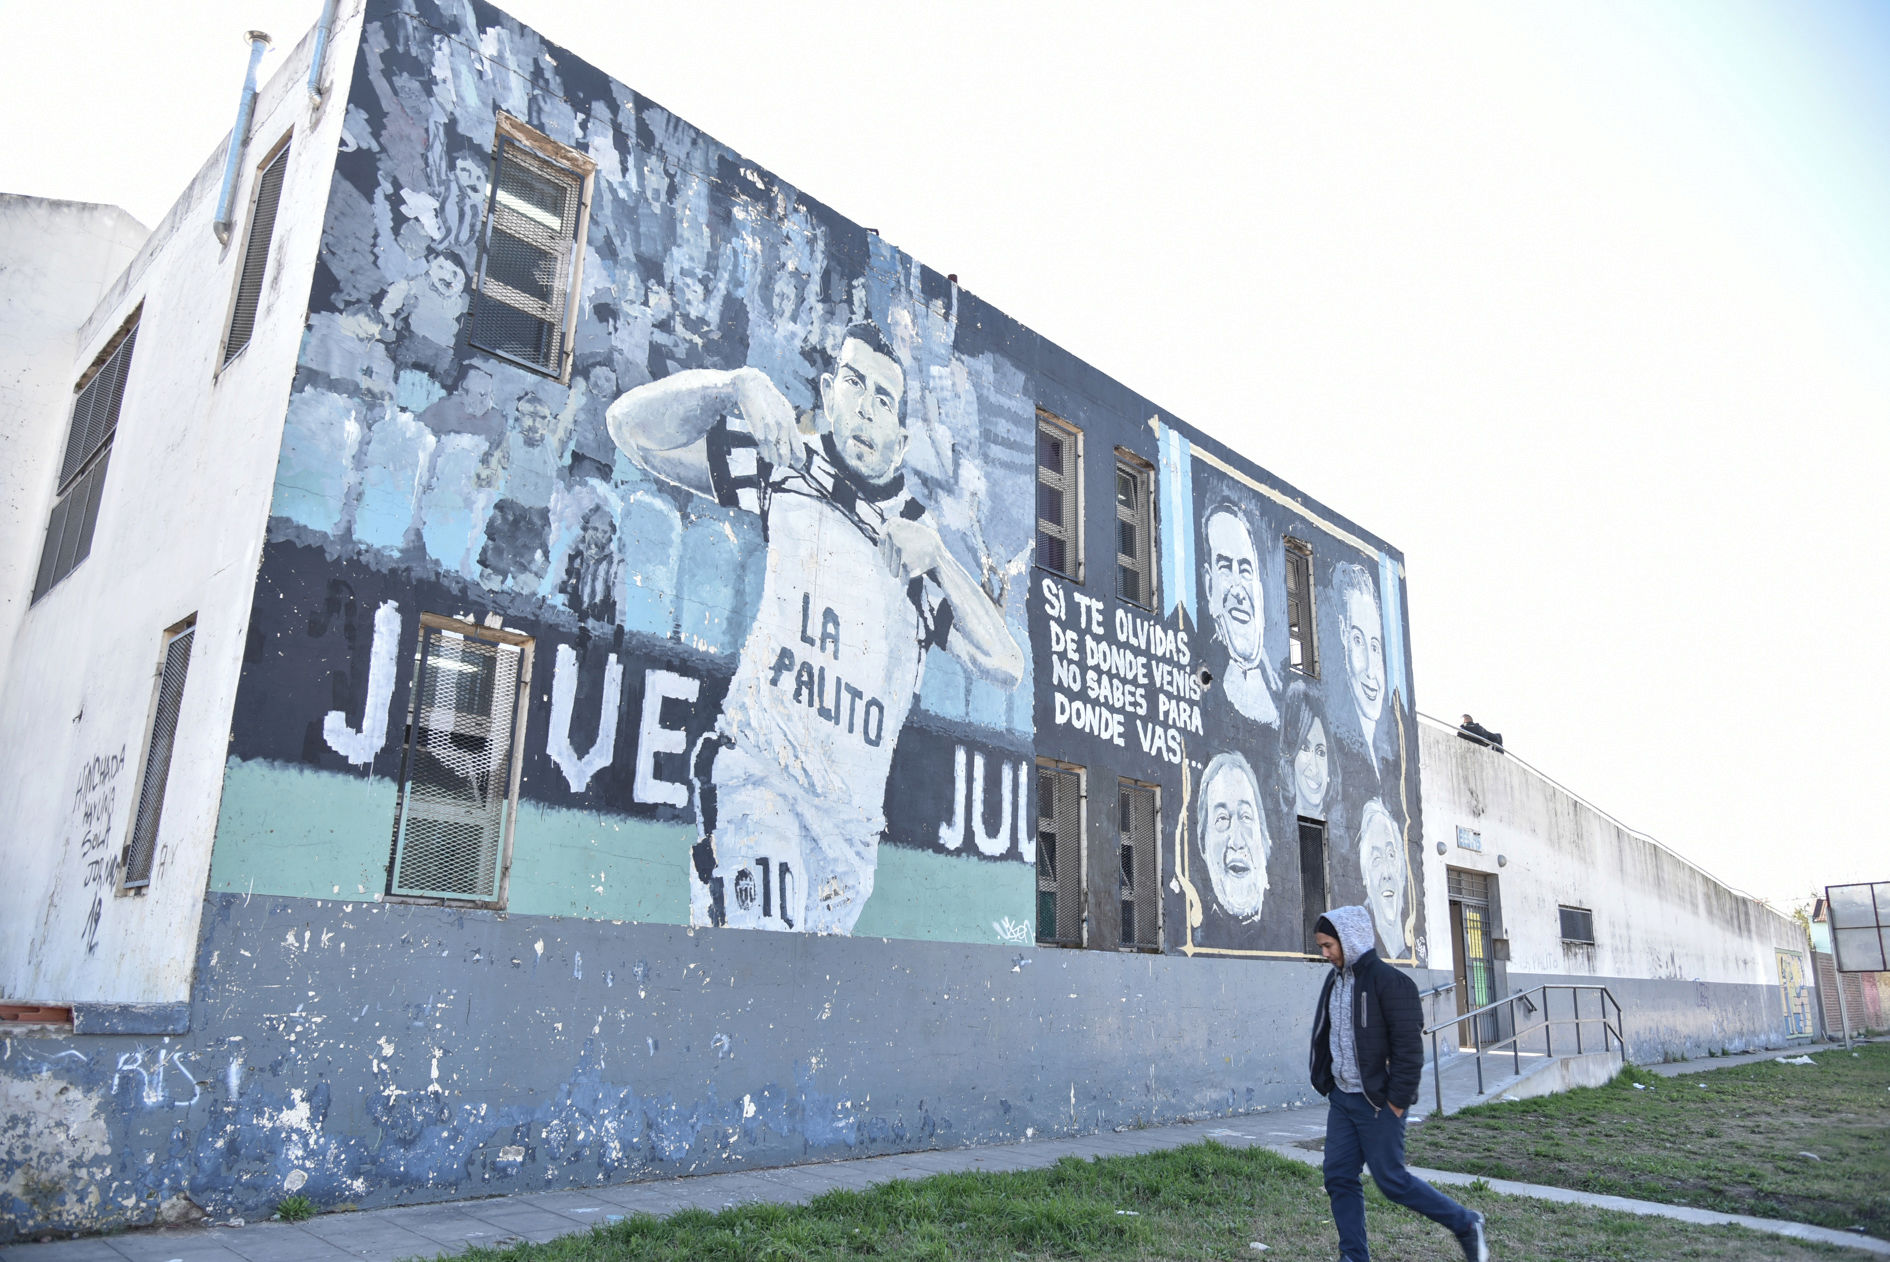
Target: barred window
532, 249
1137, 812
1578, 924
142, 846
1315, 895
262, 226
459, 779
1059, 506
1302, 648
1134, 509
1059, 856
101, 392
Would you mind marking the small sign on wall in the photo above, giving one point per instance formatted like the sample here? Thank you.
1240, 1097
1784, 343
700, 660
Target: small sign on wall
1468, 839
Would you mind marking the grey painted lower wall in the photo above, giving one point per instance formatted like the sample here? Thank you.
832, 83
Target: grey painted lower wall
371, 1054
1676, 1019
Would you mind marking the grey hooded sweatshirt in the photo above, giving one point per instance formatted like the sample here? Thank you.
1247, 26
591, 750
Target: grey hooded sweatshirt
1354, 924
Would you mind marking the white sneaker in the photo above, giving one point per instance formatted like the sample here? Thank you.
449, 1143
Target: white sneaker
1475, 1247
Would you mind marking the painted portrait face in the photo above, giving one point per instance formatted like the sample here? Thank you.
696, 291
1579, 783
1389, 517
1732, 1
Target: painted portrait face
1233, 586
447, 277
1233, 838
1311, 772
534, 419
470, 175
1381, 863
595, 537
1365, 654
861, 399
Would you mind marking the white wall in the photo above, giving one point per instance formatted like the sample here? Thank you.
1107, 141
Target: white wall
56, 258
180, 533
1657, 916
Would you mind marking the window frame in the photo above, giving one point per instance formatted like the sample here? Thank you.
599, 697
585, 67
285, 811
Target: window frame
280, 151
1076, 870
1142, 474
520, 711
1311, 915
1563, 910
186, 631
1298, 550
1071, 495
86, 477
511, 130
1145, 901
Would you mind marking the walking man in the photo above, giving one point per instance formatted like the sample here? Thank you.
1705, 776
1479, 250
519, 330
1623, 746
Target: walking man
1367, 1057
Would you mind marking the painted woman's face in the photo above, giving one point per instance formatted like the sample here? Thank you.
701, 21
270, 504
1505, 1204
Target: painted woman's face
1311, 772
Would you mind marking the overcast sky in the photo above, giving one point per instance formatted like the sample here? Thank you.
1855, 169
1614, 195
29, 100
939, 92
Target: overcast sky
1585, 307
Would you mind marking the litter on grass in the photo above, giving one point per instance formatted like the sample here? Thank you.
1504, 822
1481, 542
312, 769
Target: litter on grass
1795, 1060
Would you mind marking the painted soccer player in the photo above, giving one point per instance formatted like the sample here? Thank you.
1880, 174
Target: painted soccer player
858, 587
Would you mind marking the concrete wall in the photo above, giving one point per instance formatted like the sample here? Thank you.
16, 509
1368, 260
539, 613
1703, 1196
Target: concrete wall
56, 258
1696, 966
397, 1054
179, 532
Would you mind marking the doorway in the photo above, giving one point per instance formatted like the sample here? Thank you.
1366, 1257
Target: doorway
1473, 958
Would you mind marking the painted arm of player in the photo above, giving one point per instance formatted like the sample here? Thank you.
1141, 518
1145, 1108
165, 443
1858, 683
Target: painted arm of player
662, 425
979, 637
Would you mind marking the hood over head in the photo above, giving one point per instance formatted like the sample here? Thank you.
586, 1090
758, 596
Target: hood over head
1354, 925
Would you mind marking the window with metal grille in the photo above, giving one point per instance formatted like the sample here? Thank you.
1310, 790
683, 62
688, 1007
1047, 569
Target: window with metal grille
1302, 652
1472, 886
262, 225
459, 781
1578, 924
1134, 576
1059, 856
1314, 895
142, 846
101, 391
1059, 506
1137, 809
533, 244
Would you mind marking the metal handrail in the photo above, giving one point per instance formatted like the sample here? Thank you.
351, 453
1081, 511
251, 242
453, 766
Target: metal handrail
1610, 1032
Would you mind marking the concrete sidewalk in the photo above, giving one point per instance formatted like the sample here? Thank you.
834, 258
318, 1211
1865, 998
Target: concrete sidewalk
426, 1231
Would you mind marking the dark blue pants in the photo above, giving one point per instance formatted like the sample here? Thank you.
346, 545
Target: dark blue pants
1357, 1135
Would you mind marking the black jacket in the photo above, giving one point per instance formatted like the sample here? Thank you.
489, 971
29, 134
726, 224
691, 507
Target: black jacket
1388, 1026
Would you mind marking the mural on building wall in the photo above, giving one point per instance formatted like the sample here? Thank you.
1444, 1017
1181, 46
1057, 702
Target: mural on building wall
858, 586
766, 538
1334, 736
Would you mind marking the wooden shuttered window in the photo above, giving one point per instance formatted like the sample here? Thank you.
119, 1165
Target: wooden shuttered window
142, 847
1302, 646
460, 778
1059, 856
528, 258
262, 227
101, 393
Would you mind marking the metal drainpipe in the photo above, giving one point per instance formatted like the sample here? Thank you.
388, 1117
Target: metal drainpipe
322, 28
239, 137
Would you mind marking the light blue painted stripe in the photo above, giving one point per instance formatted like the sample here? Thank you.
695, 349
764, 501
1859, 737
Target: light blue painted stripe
1391, 599
1177, 470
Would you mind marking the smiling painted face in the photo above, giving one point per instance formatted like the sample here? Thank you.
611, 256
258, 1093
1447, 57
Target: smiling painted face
1311, 772
1381, 863
1365, 655
1233, 586
861, 400
1234, 838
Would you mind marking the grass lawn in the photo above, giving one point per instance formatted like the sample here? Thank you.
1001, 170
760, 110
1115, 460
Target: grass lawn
1726, 1139
1203, 1201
